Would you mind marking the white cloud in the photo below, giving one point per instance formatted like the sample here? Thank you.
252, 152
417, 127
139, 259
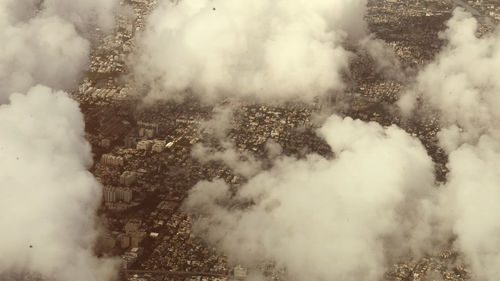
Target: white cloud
47, 195
462, 85
46, 41
264, 50
323, 219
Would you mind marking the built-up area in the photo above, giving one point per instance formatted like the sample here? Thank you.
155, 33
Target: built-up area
143, 152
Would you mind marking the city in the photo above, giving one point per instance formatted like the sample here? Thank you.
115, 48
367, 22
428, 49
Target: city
149, 155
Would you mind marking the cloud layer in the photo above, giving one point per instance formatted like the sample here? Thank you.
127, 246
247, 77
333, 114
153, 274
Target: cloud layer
264, 50
462, 82
46, 41
323, 219
47, 195
462, 85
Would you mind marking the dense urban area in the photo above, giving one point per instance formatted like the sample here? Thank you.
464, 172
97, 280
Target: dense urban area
143, 152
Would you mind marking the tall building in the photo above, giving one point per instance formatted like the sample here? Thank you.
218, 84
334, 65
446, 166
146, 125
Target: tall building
128, 178
144, 145
240, 273
136, 238
130, 142
159, 146
108, 159
147, 130
124, 194
124, 241
109, 241
109, 194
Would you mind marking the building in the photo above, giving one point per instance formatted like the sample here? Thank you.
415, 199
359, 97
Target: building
124, 194
159, 146
132, 226
109, 241
240, 273
147, 130
130, 142
113, 194
109, 194
142, 132
149, 133
128, 178
145, 145
136, 238
111, 160
124, 241
105, 143
131, 256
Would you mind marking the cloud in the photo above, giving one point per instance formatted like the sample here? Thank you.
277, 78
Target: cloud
471, 196
462, 82
462, 85
386, 61
242, 162
220, 122
263, 50
46, 41
26, 58
343, 218
47, 195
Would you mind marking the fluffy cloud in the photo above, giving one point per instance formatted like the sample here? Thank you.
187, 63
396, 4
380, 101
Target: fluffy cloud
471, 199
321, 219
462, 82
47, 195
265, 50
46, 41
462, 85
